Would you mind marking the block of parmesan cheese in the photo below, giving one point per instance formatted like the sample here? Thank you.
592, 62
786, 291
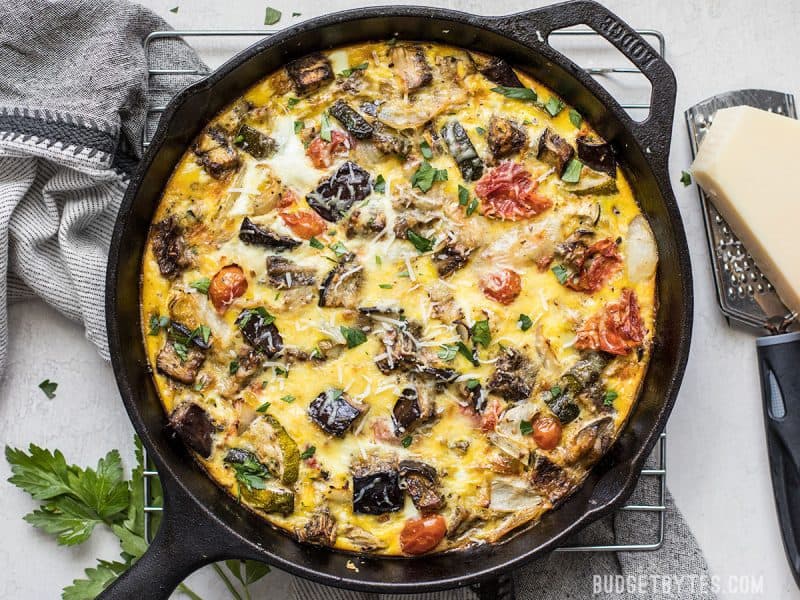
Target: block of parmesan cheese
748, 164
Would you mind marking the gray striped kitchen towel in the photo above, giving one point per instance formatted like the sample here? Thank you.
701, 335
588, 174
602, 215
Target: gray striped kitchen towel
73, 97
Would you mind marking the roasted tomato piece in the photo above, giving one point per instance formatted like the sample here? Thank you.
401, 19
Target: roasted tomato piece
303, 223
322, 152
508, 192
503, 285
422, 534
547, 432
617, 329
228, 284
600, 261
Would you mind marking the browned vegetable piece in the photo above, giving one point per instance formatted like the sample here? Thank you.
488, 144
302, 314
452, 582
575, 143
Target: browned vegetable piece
411, 65
597, 154
592, 441
514, 376
376, 486
343, 284
319, 530
309, 73
365, 222
421, 482
169, 247
414, 406
505, 137
192, 425
181, 365
401, 348
353, 122
451, 258
284, 274
554, 150
549, 478
215, 153
255, 143
334, 411
335, 195
390, 142
250, 233
496, 70
258, 328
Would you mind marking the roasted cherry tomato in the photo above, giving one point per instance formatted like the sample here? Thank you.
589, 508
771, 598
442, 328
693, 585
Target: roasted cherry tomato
508, 192
304, 223
321, 152
503, 285
228, 284
422, 534
547, 432
617, 329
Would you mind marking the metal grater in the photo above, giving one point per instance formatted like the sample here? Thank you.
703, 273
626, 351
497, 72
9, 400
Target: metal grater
744, 293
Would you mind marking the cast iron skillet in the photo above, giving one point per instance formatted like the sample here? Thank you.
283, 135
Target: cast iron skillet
201, 522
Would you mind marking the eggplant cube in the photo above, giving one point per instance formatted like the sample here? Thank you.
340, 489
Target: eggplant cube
333, 412
376, 487
194, 427
309, 73
554, 150
334, 196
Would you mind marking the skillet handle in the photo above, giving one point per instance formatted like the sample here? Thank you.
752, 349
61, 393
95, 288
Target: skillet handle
188, 538
533, 28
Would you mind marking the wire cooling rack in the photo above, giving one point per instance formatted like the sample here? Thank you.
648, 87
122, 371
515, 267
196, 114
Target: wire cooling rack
623, 80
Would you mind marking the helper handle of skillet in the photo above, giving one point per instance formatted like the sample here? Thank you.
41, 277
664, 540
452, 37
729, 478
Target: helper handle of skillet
533, 28
779, 370
188, 538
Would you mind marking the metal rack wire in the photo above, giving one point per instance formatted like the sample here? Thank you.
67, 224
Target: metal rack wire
654, 502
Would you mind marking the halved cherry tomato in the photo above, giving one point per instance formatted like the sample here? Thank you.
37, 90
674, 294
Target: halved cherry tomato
287, 198
508, 192
503, 285
304, 223
422, 534
617, 329
321, 152
547, 432
228, 284
599, 262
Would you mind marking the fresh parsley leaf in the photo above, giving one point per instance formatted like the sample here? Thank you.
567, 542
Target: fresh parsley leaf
339, 249
315, 243
481, 334
561, 273
361, 67
49, 388
525, 427
609, 397
157, 323
296, 14
517, 93
686, 179
308, 452
238, 139
426, 175
575, 118
292, 102
406, 441
524, 322
378, 260
201, 285
233, 366
464, 351
422, 244
325, 127
288, 398
174, 9
425, 148
555, 391
298, 126
271, 16
480, 131
248, 313
41, 473
379, 185
448, 352
463, 195
203, 331
181, 350
554, 106
572, 174
263, 408
97, 579
472, 384
385, 286
353, 336
472, 206
250, 472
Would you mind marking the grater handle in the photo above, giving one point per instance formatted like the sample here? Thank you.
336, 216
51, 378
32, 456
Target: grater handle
779, 369
654, 134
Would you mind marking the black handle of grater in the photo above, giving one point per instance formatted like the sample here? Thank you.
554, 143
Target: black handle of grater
779, 368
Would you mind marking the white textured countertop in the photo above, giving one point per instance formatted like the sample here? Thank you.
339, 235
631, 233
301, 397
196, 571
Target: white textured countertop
718, 469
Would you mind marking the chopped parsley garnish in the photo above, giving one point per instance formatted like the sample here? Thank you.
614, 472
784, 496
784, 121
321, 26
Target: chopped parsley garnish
463, 195
378, 260
480, 130
554, 106
308, 453
524, 322
380, 185
233, 366
481, 334
406, 441
572, 174
555, 391
238, 139
248, 313
271, 16
325, 127
464, 351
472, 206
525, 427
339, 249
201, 285
472, 384
203, 331
686, 179
250, 473
426, 175
292, 102
353, 336
425, 148
49, 388
609, 397
447, 352
298, 126
561, 273
174, 9
296, 14
315, 243
517, 93
361, 67
422, 244
263, 408
288, 398
181, 350
157, 323
575, 117
385, 286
